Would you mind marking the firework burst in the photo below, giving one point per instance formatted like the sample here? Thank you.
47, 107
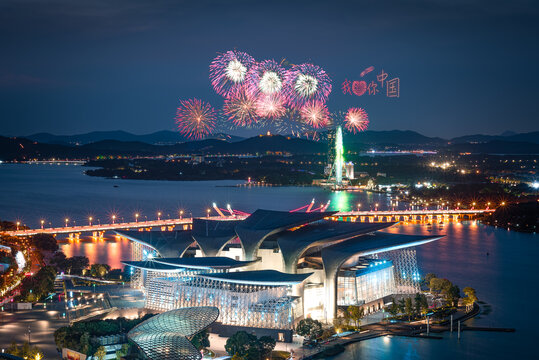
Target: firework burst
229, 70
356, 120
315, 114
270, 106
195, 118
267, 78
307, 82
241, 108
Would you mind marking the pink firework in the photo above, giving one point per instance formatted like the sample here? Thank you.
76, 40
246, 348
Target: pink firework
315, 113
356, 120
195, 118
229, 70
267, 78
241, 108
307, 82
270, 106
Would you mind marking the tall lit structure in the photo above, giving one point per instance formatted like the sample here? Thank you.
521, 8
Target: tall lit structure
339, 157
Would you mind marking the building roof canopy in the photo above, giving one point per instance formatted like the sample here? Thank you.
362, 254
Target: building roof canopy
258, 277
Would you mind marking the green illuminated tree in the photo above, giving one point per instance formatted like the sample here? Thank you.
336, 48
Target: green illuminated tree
101, 353
355, 314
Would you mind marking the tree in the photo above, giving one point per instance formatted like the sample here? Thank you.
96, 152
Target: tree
122, 352
201, 340
239, 343
428, 278
58, 260
401, 305
451, 294
309, 328
99, 270
101, 353
266, 345
76, 264
408, 308
470, 298
44, 242
355, 313
393, 308
25, 351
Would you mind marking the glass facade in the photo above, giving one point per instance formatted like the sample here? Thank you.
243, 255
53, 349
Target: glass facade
362, 286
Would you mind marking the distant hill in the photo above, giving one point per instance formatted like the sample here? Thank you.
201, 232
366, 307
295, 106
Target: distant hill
404, 137
496, 147
164, 137
25, 149
532, 137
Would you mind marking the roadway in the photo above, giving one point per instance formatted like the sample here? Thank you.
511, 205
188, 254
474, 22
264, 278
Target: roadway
97, 228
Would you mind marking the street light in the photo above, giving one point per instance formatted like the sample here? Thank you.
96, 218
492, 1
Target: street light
42, 222
113, 218
136, 217
18, 223
208, 212
67, 220
90, 220
181, 214
159, 215
358, 206
376, 207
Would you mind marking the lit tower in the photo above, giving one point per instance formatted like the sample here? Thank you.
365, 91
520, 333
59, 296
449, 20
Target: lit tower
339, 157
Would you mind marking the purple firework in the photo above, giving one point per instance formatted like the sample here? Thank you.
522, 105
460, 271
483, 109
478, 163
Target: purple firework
228, 71
307, 82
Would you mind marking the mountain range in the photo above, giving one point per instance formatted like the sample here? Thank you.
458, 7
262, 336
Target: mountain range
125, 144
396, 137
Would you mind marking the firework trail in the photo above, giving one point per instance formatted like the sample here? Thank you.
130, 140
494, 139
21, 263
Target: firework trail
270, 106
229, 70
195, 119
307, 82
366, 71
241, 108
356, 120
315, 114
267, 78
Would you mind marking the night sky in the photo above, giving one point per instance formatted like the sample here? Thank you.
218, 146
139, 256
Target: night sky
78, 66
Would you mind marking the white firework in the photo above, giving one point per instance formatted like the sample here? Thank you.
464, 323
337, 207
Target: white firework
306, 85
236, 71
270, 83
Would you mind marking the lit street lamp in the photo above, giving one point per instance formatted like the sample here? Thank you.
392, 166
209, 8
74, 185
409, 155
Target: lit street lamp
181, 214
90, 220
113, 218
42, 223
208, 212
159, 215
18, 223
136, 217
67, 220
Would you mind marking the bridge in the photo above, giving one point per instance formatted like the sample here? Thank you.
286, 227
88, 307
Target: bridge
98, 230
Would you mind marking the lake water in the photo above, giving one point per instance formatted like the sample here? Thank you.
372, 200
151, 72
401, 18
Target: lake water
506, 279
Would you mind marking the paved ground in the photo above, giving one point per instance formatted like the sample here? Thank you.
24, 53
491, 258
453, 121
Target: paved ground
41, 322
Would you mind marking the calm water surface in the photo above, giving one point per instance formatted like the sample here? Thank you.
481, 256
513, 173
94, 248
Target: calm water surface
506, 279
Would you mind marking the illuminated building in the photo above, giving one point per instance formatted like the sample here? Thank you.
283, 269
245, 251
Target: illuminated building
165, 336
349, 170
274, 267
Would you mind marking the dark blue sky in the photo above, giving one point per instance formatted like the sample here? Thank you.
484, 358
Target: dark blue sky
72, 66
